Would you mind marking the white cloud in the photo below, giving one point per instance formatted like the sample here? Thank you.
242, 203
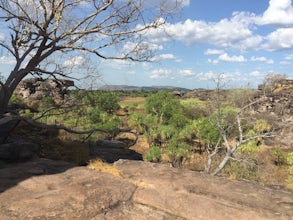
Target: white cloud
7, 60
289, 57
226, 58
280, 39
2, 37
206, 76
161, 74
167, 56
187, 72
257, 74
285, 62
261, 59
213, 52
279, 12
143, 47
75, 61
225, 33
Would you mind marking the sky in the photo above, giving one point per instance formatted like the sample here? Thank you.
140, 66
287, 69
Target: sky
241, 40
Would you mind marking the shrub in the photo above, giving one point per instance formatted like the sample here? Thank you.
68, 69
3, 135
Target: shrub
163, 105
154, 154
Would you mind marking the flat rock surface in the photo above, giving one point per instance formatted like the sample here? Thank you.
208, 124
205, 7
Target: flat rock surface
46, 189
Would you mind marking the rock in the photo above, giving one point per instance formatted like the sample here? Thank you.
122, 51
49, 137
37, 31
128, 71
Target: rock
46, 189
193, 195
18, 148
7, 124
112, 150
37, 88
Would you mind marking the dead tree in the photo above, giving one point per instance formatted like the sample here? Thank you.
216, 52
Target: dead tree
40, 34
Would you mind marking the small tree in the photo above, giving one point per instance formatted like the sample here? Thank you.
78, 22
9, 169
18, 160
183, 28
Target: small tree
226, 130
163, 105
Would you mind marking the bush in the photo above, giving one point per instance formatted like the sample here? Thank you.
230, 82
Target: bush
163, 105
241, 170
154, 154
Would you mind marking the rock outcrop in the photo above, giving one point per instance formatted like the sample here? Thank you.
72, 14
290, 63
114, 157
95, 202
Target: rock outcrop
45, 189
37, 88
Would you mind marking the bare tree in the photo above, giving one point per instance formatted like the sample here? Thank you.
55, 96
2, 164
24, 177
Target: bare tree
35, 31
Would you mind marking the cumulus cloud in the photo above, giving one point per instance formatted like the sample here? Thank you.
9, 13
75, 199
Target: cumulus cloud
227, 58
280, 39
213, 52
167, 56
161, 74
261, 59
279, 12
289, 57
206, 76
226, 33
187, 72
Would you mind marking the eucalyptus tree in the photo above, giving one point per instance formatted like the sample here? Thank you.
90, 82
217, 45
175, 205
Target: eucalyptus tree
40, 34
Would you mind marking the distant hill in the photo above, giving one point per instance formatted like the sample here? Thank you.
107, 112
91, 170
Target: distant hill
147, 88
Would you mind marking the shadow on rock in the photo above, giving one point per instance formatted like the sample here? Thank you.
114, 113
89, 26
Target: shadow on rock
112, 150
11, 174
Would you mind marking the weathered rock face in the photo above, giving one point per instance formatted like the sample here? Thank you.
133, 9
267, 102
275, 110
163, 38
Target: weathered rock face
36, 88
45, 189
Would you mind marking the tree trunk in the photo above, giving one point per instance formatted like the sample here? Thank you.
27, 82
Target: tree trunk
8, 88
5, 95
222, 164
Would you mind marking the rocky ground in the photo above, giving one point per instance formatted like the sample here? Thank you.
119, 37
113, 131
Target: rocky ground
46, 189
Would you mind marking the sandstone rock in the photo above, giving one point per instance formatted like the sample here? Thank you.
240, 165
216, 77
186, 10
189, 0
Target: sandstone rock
45, 189
192, 195
36, 88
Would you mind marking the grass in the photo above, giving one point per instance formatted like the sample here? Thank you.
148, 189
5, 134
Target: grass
139, 102
108, 168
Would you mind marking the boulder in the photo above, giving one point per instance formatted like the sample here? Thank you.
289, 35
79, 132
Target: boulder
37, 88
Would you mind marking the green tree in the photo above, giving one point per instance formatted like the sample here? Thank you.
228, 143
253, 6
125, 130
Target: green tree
163, 105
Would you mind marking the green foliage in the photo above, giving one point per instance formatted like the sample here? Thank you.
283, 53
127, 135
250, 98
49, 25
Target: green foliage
163, 105
250, 147
107, 102
94, 114
240, 97
15, 99
241, 170
261, 126
280, 157
178, 150
194, 108
154, 154
26, 113
207, 131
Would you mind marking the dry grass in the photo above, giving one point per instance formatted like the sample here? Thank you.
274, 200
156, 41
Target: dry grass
104, 167
108, 168
128, 101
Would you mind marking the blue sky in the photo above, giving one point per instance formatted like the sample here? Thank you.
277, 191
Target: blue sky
243, 40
